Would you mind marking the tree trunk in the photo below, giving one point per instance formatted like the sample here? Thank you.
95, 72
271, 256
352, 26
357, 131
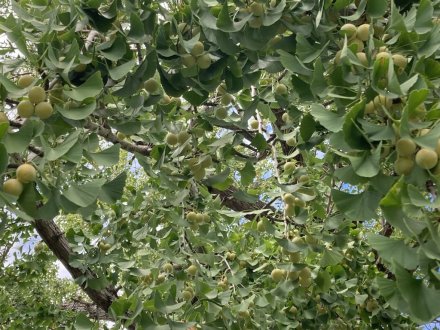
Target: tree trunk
58, 244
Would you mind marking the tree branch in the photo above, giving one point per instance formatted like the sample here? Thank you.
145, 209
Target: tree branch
58, 244
91, 309
386, 231
109, 136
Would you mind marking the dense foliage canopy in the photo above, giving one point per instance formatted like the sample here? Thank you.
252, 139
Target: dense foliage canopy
203, 164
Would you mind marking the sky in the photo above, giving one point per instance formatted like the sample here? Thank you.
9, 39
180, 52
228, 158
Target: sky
28, 246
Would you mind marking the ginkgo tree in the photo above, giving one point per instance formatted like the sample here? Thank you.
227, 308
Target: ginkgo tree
289, 156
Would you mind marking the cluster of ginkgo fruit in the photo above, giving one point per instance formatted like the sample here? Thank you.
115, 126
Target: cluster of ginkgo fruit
357, 35
304, 276
408, 156
197, 218
197, 56
198, 166
408, 153
36, 103
25, 173
290, 203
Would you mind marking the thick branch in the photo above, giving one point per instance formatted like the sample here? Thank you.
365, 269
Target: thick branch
235, 204
387, 230
36, 151
109, 136
79, 306
228, 200
58, 244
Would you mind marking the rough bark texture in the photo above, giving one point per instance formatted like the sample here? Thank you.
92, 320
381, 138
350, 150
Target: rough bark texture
386, 231
228, 200
58, 244
109, 136
91, 309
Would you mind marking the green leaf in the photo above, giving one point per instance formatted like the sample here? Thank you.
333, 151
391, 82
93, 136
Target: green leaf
245, 197
319, 84
128, 127
225, 23
290, 246
12, 89
352, 134
376, 8
247, 174
91, 88
392, 208
3, 129
416, 98
195, 98
82, 322
137, 32
423, 301
217, 178
388, 289
394, 249
293, 64
380, 72
49, 210
397, 22
121, 71
429, 140
358, 13
4, 158
124, 265
302, 88
376, 132
119, 307
83, 194
266, 111
323, 281
306, 51
432, 44
19, 141
134, 81
259, 142
368, 164
274, 14
97, 283
171, 308
115, 49
112, 191
307, 127
28, 199
424, 16
173, 84
225, 43
224, 140
327, 118
107, 157
98, 21
360, 298
359, 207
330, 257
418, 199
17, 37
61, 149
79, 113
235, 214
